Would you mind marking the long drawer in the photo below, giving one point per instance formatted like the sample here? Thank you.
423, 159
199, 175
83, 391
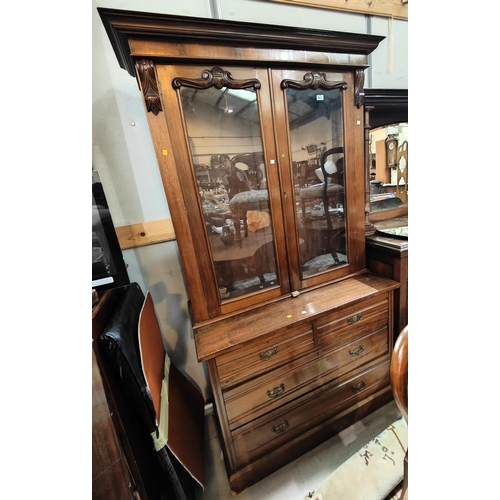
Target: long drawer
262, 356
263, 394
290, 420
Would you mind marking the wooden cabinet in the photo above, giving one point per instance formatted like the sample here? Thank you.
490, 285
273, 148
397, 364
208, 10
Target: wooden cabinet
389, 257
282, 386
295, 331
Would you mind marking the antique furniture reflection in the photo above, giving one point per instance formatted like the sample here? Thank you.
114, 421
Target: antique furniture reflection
391, 148
335, 171
387, 254
388, 173
243, 264
295, 331
322, 212
240, 204
254, 163
391, 174
402, 172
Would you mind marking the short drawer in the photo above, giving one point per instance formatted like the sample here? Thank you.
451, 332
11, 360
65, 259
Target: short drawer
293, 419
261, 356
339, 327
263, 394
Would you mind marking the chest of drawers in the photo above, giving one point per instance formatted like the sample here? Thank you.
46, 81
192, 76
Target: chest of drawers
292, 373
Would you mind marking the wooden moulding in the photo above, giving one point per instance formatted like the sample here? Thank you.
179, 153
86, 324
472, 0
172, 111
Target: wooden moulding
123, 26
145, 233
387, 106
398, 9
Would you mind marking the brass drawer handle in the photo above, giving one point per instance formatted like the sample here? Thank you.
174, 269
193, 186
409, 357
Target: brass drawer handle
358, 387
354, 319
268, 354
358, 351
277, 391
278, 429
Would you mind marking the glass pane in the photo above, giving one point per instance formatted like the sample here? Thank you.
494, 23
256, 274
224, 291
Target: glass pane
226, 145
317, 140
389, 167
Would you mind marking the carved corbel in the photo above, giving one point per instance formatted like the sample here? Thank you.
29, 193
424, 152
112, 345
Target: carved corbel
359, 90
147, 75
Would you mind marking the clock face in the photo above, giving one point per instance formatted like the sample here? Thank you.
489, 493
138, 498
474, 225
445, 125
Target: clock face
391, 145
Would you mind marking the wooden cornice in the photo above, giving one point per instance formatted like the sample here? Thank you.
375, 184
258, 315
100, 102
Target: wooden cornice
123, 25
387, 106
386, 97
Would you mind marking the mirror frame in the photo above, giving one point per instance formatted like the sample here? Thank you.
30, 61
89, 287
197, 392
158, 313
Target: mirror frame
383, 107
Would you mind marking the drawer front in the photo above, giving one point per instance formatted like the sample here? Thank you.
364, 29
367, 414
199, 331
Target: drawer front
262, 356
265, 393
258, 437
339, 327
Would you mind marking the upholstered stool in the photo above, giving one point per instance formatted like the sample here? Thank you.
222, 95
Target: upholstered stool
247, 200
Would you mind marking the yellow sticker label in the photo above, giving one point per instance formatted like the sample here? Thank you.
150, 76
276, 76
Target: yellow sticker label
165, 152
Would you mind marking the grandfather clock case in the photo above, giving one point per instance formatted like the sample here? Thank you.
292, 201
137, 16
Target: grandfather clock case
259, 133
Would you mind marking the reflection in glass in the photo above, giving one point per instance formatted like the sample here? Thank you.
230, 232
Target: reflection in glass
226, 146
316, 131
388, 183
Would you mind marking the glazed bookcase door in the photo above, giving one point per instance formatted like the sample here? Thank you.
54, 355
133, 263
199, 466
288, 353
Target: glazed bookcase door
318, 126
220, 125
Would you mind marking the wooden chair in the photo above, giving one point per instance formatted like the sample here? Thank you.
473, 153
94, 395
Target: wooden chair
399, 385
337, 178
399, 372
256, 170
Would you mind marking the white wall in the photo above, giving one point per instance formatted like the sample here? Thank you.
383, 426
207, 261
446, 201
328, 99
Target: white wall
122, 149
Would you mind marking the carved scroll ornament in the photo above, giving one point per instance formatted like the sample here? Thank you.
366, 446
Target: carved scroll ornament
313, 81
147, 75
216, 77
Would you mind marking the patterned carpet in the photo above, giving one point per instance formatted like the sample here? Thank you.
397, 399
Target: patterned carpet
373, 473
